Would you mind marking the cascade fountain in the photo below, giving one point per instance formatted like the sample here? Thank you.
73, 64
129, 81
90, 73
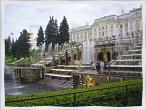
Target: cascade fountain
88, 52
131, 60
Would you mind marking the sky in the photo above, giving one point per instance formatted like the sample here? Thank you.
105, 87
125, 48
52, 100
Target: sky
32, 15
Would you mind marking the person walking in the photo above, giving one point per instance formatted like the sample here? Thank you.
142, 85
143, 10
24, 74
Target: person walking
98, 66
91, 65
101, 66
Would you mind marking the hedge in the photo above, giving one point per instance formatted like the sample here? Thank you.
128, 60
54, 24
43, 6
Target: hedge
134, 96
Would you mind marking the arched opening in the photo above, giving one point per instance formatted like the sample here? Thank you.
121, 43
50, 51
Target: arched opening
75, 56
100, 56
69, 58
108, 56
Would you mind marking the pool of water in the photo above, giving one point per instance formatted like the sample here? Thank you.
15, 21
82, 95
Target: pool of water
26, 88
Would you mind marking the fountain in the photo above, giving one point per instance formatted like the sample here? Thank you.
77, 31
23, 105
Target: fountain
88, 52
42, 50
14, 85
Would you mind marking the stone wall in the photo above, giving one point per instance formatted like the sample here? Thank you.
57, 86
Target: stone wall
30, 75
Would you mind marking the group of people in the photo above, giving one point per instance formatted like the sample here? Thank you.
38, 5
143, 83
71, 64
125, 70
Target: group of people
99, 66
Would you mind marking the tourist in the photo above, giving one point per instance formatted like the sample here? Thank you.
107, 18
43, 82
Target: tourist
98, 66
101, 66
92, 65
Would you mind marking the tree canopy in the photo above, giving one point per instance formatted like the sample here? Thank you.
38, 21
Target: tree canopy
40, 38
51, 33
8, 45
20, 48
63, 31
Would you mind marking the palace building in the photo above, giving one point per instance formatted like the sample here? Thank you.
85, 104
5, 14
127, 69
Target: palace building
112, 26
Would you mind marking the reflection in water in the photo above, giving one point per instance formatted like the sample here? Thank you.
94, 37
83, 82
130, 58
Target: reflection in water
25, 88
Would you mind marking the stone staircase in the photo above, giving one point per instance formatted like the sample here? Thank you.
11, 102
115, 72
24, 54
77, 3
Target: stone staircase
129, 63
55, 55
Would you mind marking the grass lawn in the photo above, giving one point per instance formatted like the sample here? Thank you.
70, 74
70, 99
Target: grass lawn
10, 59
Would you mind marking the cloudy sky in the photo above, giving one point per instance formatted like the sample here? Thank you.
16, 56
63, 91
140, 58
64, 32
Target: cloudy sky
31, 15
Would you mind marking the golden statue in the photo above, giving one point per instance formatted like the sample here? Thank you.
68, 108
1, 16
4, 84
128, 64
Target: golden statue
90, 81
105, 57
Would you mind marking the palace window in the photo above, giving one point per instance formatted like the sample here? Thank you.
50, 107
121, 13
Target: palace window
102, 33
94, 29
81, 34
111, 25
106, 32
99, 29
85, 37
126, 25
94, 34
106, 26
99, 34
121, 26
111, 31
102, 28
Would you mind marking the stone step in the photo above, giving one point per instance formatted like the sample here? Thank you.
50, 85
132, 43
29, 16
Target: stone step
124, 73
126, 67
132, 55
135, 50
137, 47
57, 75
138, 44
129, 66
129, 60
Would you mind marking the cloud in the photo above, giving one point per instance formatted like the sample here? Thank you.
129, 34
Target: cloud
28, 15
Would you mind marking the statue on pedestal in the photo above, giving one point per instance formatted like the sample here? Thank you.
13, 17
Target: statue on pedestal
90, 81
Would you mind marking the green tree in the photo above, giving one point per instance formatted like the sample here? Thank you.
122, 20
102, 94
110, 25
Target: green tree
55, 33
8, 46
13, 48
63, 31
51, 33
40, 38
48, 32
21, 46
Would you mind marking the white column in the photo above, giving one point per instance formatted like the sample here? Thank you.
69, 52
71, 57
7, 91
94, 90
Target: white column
133, 24
114, 30
140, 25
124, 32
128, 27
